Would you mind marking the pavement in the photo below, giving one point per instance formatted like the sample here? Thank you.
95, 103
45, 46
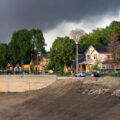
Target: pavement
68, 77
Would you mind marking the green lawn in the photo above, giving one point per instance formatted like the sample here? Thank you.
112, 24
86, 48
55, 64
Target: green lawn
110, 74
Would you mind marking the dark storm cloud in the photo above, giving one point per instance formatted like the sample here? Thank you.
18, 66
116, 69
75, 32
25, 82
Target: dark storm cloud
46, 14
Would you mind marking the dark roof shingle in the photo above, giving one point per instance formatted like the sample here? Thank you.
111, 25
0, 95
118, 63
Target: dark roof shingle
101, 49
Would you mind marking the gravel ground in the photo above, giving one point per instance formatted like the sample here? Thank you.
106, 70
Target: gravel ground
64, 100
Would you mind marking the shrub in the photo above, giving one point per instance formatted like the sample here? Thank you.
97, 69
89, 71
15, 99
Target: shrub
96, 66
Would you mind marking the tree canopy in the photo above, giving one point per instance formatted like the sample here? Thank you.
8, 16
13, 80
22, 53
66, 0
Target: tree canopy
3, 55
38, 41
24, 43
113, 44
117, 55
76, 34
62, 51
19, 45
99, 36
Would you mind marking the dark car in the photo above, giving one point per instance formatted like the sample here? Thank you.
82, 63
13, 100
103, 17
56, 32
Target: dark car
45, 72
94, 73
9, 72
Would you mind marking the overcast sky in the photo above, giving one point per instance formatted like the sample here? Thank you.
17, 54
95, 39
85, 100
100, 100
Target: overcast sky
55, 17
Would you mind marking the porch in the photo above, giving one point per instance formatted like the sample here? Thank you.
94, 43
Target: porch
85, 66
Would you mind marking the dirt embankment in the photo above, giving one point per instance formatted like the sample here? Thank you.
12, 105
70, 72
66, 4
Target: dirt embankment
63, 100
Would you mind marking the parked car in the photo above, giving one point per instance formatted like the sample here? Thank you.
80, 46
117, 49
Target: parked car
50, 71
25, 72
80, 74
45, 72
95, 74
9, 72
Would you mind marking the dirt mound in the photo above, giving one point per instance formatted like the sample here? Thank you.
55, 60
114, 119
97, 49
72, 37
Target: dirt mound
110, 82
63, 100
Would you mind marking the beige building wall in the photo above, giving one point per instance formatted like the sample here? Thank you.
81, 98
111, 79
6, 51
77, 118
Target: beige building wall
105, 56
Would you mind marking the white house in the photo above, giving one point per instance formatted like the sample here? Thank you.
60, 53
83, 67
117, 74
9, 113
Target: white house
97, 53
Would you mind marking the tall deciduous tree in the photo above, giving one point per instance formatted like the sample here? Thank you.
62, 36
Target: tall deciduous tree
117, 55
20, 45
38, 41
62, 51
3, 55
25, 43
114, 44
76, 34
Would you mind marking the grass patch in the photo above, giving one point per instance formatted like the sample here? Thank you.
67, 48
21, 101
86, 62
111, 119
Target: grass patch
110, 74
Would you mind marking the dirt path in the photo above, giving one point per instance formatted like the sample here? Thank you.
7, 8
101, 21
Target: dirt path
8, 100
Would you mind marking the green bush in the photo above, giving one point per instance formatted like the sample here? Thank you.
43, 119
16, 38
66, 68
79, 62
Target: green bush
61, 73
96, 66
67, 74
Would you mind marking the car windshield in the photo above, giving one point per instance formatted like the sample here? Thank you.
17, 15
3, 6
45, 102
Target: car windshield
90, 72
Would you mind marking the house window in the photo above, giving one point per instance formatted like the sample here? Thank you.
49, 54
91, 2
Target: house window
95, 56
103, 66
111, 66
88, 57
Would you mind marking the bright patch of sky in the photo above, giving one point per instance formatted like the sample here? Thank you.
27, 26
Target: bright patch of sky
88, 24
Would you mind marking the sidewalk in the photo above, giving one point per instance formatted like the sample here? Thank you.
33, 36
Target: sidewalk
66, 77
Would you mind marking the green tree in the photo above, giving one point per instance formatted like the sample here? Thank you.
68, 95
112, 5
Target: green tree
117, 55
62, 51
99, 36
38, 41
4, 58
49, 66
20, 46
24, 44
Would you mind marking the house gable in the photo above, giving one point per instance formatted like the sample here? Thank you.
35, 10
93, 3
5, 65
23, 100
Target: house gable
98, 53
91, 54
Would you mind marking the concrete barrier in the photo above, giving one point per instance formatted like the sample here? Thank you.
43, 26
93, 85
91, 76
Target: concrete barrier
22, 83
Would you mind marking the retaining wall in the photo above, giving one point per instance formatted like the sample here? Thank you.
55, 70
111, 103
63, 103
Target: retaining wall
22, 83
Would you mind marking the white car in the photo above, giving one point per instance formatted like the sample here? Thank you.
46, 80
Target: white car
80, 74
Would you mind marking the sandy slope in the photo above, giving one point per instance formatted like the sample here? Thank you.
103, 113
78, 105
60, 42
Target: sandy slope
63, 100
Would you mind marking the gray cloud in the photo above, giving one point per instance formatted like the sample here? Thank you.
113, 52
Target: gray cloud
46, 14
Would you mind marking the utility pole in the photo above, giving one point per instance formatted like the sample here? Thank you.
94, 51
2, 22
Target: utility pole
76, 34
77, 65
38, 54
